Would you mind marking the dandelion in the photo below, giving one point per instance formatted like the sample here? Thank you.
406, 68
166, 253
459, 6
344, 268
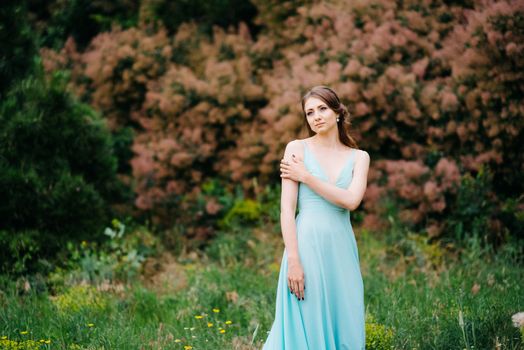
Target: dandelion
216, 310
90, 325
222, 330
188, 347
209, 324
198, 317
48, 341
42, 341
24, 332
228, 322
178, 340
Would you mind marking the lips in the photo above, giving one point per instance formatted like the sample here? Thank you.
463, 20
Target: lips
317, 125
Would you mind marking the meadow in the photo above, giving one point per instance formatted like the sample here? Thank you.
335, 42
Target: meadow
418, 295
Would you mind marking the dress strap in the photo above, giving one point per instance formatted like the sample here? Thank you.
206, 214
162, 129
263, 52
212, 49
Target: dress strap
305, 147
353, 155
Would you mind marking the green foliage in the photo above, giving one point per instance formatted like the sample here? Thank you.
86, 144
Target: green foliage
19, 254
473, 209
8, 344
378, 336
17, 48
80, 298
269, 199
119, 258
55, 20
207, 14
244, 211
57, 169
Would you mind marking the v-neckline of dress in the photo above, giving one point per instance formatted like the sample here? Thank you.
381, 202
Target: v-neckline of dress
337, 179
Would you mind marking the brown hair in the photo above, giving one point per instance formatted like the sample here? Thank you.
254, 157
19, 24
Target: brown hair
331, 99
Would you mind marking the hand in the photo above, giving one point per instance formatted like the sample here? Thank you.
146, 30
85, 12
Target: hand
294, 170
295, 278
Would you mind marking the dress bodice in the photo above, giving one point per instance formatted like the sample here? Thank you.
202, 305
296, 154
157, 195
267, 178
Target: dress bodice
309, 199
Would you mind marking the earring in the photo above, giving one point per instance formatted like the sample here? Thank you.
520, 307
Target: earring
338, 120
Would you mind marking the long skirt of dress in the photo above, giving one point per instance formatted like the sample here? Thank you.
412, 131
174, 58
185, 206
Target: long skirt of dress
331, 316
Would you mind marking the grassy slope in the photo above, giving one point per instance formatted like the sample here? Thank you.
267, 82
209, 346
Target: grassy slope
413, 288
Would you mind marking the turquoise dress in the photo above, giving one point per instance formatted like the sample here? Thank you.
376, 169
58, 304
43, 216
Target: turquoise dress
332, 315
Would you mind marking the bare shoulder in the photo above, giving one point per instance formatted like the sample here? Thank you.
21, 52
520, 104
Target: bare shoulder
294, 147
363, 157
294, 144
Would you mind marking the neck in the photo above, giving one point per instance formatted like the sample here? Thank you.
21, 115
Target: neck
328, 140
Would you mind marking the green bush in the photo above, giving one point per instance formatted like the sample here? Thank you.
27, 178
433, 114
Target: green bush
57, 168
119, 258
55, 21
473, 209
378, 336
207, 13
17, 47
18, 253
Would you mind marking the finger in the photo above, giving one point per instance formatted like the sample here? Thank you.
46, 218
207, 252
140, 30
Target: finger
292, 287
301, 291
298, 283
296, 288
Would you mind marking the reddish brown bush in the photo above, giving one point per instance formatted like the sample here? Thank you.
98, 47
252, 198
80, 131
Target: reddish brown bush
435, 91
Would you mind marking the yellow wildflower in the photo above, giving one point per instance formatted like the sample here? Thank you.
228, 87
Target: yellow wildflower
188, 347
4, 337
198, 317
222, 330
90, 324
209, 324
216, 310
48, 341
24, 332
177, 340
228, 322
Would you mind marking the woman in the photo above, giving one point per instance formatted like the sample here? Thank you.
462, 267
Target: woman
327, 174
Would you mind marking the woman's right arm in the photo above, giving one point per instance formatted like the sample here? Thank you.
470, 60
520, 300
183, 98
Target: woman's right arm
288, 205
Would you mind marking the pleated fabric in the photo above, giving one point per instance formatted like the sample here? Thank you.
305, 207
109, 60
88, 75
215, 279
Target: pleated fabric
332, 314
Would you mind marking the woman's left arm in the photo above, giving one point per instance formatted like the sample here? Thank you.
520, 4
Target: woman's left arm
349, 198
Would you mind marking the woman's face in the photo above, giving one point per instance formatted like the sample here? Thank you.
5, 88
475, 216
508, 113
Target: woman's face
319, 116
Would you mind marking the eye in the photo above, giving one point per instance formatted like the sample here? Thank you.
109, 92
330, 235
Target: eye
308, 113
323, 108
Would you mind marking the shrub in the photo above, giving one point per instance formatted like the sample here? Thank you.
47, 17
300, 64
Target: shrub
79, 298
224, 106
378, 336
17, 47
119, 258
57, 170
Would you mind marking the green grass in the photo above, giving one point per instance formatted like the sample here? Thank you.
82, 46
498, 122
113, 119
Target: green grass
412, 288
